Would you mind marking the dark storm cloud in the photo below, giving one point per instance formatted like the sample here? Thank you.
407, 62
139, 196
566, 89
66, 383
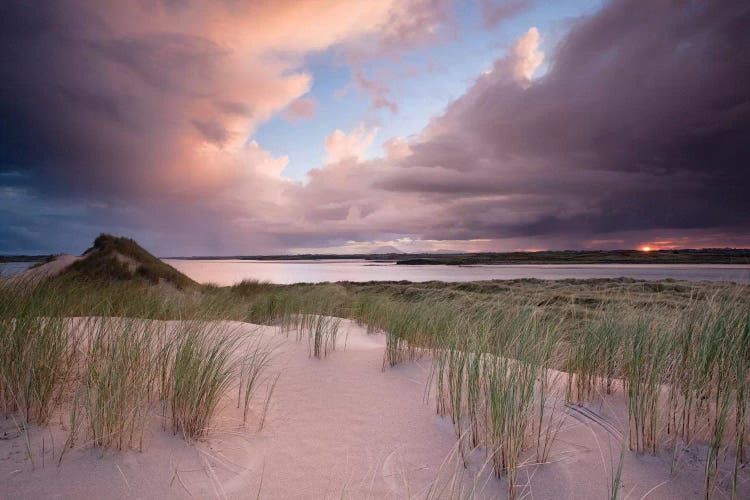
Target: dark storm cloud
641, 122
70, 108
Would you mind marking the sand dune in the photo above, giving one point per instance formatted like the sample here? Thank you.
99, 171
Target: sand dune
338, 427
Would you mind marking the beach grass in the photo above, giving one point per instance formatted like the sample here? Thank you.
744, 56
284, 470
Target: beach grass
116, 381
203, 369
106, 353
505, 356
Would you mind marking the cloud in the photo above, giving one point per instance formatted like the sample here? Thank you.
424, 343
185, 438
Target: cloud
211, 130
396, 149
377, 91
495, 11
637, 126
123, 94
412, 24
149, 106
136, 120
635, 133
527, 56
301, 109
341, 146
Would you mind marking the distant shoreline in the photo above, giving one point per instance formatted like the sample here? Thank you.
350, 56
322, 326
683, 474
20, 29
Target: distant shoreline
24, 258
736, 256
684, 256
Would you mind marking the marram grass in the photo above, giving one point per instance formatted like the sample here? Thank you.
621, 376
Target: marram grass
203, 369
116, 364
680, 352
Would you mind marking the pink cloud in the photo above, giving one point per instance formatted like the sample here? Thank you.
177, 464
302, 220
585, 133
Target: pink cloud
301, 109
527, 56
342, 146
377, 91
417, 22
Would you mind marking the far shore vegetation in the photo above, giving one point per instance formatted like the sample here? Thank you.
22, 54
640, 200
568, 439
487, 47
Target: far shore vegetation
679, 256
24, 258
508, 357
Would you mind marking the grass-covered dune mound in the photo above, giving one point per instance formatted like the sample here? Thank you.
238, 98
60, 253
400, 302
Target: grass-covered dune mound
113, 258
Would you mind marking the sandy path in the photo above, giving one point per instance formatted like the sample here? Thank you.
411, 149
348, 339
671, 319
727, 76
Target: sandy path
341, 426
336, 428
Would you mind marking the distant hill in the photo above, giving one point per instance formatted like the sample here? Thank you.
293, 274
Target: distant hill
446, 251
386, 249
683, 256
23, 258
115, 258
686, 256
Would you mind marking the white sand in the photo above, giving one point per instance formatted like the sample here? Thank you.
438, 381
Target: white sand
337, 427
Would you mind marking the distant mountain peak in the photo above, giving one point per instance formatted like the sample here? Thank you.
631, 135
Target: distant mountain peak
386, 249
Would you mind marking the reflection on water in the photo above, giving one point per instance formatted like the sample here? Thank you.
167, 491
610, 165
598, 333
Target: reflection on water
227, 272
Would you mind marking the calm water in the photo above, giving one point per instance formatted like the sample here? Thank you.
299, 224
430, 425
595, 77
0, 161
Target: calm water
227, 272
8, 268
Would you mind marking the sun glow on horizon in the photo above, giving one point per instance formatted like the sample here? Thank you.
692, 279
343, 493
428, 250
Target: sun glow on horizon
645, 248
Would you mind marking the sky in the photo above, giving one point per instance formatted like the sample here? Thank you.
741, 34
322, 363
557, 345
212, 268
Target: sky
291, 126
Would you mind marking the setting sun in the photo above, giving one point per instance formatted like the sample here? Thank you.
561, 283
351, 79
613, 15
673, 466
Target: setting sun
646, 249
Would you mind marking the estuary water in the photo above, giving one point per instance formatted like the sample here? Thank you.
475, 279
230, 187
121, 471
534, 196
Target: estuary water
228, 272
8, 268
